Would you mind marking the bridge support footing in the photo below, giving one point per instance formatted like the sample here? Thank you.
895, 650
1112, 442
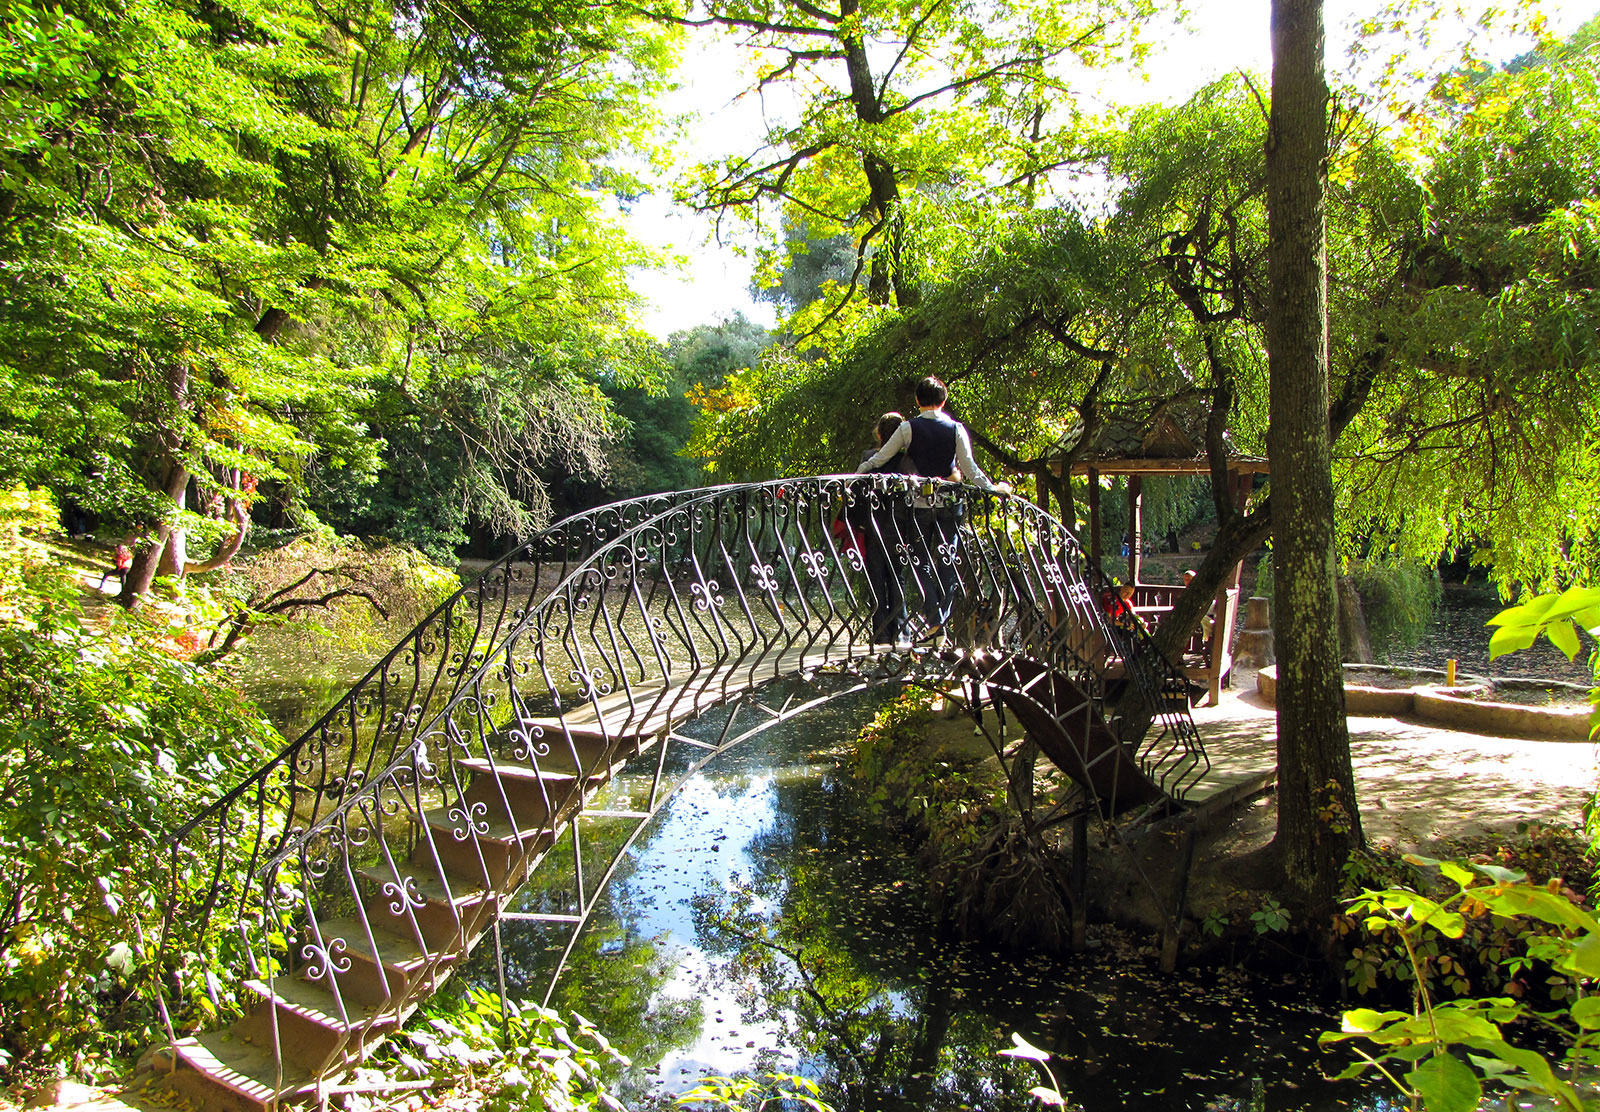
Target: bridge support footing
1080, 881
1172, 927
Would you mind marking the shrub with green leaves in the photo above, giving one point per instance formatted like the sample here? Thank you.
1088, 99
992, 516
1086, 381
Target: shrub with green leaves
1399, 599
992, 873
515, 1057
107, 744
1443, 1054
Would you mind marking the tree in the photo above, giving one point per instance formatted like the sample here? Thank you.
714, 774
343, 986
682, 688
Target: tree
1318, 823
251, 220
1478, 433
917, 120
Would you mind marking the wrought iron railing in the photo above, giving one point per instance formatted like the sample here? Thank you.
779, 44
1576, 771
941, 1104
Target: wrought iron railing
354, 871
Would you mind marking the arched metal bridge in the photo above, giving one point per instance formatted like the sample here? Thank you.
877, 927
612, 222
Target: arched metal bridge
356, 870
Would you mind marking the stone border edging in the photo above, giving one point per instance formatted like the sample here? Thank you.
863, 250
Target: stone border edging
1452, 707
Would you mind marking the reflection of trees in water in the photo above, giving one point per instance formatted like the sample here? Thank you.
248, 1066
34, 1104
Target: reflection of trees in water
629, 1010
827, 944
614, 975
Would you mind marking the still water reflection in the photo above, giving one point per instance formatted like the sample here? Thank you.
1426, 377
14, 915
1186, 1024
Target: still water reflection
764, 922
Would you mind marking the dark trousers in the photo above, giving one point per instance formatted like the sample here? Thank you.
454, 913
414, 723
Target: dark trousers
936, 561
883, 577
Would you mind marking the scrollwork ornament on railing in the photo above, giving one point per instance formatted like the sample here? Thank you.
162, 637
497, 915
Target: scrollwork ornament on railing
324, 962
403, 895
527, 742
472, 819
359, 834
816, 565
709, 594
763, 578
592, 683
317, 865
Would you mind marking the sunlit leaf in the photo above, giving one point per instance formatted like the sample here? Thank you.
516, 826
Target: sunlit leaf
1446, 1085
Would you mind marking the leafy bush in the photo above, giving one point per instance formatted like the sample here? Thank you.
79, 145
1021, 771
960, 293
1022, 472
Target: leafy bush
521, 1057
1563, 620
1442, 1053
107, 743
1399, 599
991, 874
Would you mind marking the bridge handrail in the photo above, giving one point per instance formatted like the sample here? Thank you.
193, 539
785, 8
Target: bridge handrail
792, 587
645, 506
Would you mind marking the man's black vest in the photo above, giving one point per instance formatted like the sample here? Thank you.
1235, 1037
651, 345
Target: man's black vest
933, 447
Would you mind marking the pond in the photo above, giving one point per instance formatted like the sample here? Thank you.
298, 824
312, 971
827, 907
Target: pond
1460, 631
765, 922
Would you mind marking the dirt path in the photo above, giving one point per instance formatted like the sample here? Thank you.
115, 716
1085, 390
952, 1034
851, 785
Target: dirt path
1419, 785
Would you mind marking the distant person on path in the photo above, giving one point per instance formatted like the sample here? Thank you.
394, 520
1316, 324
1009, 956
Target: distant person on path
935, 444
124, 561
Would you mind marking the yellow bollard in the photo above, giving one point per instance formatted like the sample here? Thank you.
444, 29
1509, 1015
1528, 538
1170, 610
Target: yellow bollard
1450, 672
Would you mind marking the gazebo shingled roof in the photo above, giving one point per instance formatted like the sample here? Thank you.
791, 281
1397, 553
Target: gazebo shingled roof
1169, 442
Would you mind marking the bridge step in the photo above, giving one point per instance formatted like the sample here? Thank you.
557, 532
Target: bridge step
526, 797
444, 909
315, 1029
219, 1072
498, 855
383, 967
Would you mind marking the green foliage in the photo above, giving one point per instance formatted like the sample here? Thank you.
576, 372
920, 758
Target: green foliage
514, 1058
1442, 1054
1463, 319
657, 425
918, 125
1399, 599
1497, 344
1490, 955
992, 874
1522, 932
315, 235
107, 744
1560, 618
1168, 505
752, 1094
906, 777
1270, 917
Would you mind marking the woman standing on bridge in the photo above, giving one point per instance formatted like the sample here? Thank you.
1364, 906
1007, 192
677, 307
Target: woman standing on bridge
936, 444
882, 523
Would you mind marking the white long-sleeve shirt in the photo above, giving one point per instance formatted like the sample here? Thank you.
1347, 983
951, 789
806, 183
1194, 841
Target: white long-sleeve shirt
900, 440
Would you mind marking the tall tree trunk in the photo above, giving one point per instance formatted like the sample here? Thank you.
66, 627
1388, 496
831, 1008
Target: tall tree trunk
168, 474
1318, 824
149, 551
175, 554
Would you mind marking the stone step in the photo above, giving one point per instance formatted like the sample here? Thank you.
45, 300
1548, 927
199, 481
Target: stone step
375, 965
440, 911
494, 851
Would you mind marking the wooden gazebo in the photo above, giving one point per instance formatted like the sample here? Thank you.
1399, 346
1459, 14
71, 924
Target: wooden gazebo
1163, 446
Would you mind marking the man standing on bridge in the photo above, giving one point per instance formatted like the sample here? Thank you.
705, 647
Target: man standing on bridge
936, 443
